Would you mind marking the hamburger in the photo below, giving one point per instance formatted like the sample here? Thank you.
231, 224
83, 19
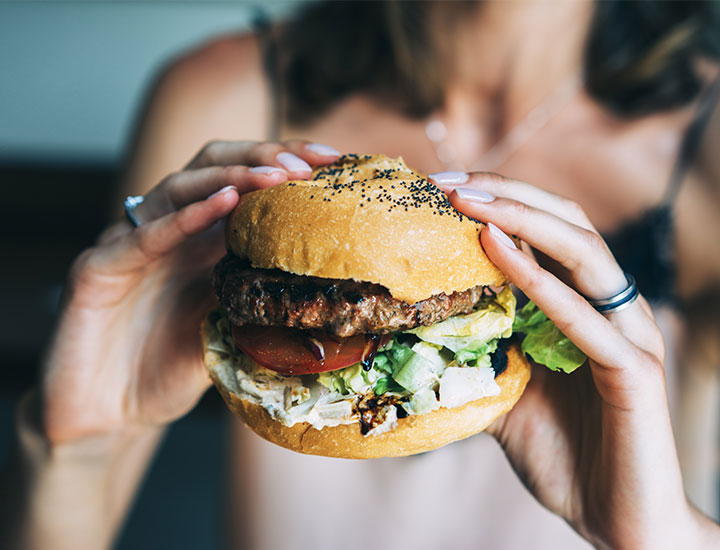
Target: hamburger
360, 317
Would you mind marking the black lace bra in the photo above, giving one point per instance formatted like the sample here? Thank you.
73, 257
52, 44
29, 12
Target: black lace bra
645, 246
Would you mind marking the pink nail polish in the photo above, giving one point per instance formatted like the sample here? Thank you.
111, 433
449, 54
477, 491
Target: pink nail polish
500, 235
221, 191
449, 178
293, 163
320, 149
474, 195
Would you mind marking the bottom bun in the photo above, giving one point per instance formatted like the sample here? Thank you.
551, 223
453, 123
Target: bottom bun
413, 434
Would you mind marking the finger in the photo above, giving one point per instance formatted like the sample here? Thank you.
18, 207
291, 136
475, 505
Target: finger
626, 375
570, 312
316, 154
500, 186
589, 262
183, 188
296, 157
157, 238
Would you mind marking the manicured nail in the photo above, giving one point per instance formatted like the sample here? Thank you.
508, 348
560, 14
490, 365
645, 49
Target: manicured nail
265, 170
501, 236
221, 191
474, 195
449, 178
320, 149
293, 163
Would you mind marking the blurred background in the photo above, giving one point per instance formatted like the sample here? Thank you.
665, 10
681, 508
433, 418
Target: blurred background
73, 76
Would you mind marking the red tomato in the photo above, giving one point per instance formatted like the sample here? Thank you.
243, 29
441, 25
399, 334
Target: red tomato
289, 351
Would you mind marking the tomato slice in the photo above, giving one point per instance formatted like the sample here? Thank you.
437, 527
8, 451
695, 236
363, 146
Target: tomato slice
291, 351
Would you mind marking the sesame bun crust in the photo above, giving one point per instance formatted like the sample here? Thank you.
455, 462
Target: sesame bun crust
370, 219
413, 434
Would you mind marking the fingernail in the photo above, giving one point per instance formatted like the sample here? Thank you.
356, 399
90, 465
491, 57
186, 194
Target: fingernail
501, 236
221, 191
474, 195
293, 163
265, 170
320, 149
449, 178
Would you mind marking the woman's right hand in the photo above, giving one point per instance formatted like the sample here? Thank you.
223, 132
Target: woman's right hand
127, 349
596, 446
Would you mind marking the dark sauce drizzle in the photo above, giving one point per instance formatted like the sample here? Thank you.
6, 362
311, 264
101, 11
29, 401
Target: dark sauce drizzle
371, 349
498, 359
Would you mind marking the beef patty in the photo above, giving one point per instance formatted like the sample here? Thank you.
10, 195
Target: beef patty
272, 297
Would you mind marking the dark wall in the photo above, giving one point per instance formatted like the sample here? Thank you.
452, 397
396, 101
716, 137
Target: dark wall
48, 214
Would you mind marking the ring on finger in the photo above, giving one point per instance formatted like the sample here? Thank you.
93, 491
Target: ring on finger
619, 301
131, 203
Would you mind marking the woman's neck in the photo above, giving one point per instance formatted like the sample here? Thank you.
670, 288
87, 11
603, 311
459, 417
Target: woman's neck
505, 60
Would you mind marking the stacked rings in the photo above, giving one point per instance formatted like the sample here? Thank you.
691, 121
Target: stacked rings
620, 301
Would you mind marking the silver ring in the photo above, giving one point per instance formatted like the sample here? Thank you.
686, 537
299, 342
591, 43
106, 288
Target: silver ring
131, 203
621, 300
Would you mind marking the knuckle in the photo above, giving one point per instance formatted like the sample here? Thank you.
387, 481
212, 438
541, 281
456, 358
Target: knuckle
592, 240
171, 183
209, 152
173, 177
81, 263
226, 172
519, 210
295, 144
267, 149
652, 366
533, 279
145, 242
80, 273
573, 207
657, 343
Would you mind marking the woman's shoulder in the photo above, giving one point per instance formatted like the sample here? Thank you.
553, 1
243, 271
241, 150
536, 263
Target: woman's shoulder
216, 91
227, 60
224, 75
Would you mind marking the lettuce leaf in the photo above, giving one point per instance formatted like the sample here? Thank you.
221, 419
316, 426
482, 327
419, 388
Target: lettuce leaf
544, 342
477, 356
352, 379
387, 384
422, 369
492, 320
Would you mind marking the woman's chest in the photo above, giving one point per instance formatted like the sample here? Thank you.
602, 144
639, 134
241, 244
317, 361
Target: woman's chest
616, 171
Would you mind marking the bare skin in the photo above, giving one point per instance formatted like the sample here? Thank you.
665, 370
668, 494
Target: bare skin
617, 168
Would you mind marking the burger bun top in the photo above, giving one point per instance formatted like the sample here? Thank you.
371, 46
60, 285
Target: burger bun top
367, 218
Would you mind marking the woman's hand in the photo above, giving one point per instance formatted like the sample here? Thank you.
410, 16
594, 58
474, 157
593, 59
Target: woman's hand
127, 351
595, 446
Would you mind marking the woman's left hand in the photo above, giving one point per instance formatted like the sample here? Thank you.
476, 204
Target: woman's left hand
595, 446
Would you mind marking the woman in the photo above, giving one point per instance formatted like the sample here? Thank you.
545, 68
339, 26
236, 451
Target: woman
595, 448
618, 168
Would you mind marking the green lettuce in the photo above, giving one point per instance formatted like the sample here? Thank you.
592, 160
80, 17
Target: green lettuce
544, 342
352, 379
387, 384
492, 320
423, 367
478, 355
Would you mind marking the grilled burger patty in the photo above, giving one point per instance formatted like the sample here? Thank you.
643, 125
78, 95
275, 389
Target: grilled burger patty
272, 297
